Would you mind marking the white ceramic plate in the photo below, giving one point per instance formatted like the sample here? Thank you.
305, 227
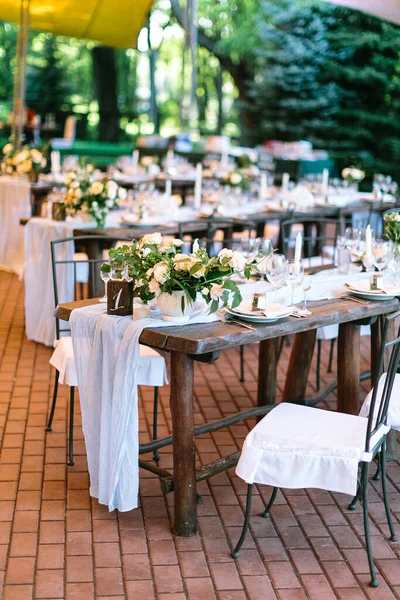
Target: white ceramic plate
364, 286
273, 309
259, 318
361, 289
371, 295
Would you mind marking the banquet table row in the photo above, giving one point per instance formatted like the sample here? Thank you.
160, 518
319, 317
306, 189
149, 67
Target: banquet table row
39, 232
204, 342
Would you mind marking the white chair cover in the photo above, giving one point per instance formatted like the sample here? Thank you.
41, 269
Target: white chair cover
152, 370
393, 419
15, 204
298, 446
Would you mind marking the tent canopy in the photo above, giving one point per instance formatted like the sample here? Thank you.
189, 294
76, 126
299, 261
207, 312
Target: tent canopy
385, 9
114, 23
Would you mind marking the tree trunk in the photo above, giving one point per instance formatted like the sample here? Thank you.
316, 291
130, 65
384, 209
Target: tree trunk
105, 81
218, 86
154, 117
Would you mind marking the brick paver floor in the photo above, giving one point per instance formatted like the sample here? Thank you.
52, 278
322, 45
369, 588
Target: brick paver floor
56, 542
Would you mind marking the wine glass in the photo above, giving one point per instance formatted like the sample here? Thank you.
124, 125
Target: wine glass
275, 269
380, 255
265, 250
105, 276
126, 275
249, 248
294, 276
306, 286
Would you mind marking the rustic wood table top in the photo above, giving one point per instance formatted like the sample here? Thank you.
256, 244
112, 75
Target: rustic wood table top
212, 337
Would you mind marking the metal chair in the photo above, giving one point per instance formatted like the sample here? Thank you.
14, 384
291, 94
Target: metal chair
328, 449
67, 273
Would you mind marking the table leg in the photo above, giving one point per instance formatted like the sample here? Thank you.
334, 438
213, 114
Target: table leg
94, 252
299, 367
376, 341
267, 371
181, 400
348, 369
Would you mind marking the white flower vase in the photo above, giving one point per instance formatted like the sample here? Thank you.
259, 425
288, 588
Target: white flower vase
171, 306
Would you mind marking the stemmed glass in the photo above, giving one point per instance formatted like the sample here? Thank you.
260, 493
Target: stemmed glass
126, 275
249, 248
306, 286
105, 276
380, 255
294, 276
275, 269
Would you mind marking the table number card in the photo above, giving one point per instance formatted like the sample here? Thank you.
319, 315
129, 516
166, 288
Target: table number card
119, 298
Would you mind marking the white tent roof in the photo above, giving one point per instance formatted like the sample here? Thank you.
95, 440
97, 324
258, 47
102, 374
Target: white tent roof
385, 9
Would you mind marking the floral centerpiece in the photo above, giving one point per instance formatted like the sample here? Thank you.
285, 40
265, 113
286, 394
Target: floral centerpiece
95, 198
238, 179
353, 175
392, 230
27, 162
159, 269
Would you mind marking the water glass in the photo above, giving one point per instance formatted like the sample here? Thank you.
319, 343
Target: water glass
306, 286
275, 269
105, 276
380, 255
294, 276
343, 260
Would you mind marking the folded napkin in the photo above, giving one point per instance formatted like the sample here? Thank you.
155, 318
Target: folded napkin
106, 350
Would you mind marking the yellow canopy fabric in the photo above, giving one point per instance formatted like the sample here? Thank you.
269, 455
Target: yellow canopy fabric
114, 23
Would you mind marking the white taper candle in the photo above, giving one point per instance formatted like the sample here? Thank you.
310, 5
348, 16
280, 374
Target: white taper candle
198, 185
297, 249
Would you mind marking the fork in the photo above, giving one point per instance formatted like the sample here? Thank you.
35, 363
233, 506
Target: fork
359, 300
225, 319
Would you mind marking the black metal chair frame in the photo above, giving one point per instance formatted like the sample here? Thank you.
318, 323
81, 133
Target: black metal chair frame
378, 450
92, 264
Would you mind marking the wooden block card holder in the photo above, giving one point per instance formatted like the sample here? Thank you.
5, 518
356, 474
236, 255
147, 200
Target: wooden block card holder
119, 298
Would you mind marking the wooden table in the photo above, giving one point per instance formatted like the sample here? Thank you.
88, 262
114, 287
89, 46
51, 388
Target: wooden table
204, 342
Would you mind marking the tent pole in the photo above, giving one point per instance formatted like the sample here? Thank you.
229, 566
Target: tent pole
193, 56
20, 76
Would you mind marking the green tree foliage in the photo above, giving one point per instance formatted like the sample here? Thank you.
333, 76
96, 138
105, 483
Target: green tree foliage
47, 86
290, 94
330, 75
366, 69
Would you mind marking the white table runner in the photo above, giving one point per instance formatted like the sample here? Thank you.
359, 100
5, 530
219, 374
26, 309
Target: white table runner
106, 350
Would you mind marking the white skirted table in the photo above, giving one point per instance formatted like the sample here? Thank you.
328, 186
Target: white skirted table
15, 204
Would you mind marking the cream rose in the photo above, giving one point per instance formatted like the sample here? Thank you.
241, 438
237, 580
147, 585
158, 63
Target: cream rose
152, 238
36, 156
122, 193
112, 189
8, 149
96, 188
235, 179
216, 291
182, 262
160, 272
154, 287
238, 261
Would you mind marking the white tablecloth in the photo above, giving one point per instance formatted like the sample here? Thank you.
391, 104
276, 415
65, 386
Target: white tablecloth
106, 350
15, 204
39, 293
40, 323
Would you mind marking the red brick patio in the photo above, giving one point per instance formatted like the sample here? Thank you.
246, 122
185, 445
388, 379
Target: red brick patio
55, 542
